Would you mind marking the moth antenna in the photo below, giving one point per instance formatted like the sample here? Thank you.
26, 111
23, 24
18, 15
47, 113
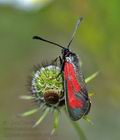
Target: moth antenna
39, 38
76, 27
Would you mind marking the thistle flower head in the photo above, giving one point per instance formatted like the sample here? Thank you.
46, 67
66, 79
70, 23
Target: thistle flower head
47, 85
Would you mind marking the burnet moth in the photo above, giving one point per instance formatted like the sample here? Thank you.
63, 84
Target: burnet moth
76, 95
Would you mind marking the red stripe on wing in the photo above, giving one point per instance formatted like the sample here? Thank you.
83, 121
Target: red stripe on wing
73, 86
69, 74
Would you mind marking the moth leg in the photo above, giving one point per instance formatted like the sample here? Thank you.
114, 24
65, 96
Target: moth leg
61, 61
54, 61
62, 66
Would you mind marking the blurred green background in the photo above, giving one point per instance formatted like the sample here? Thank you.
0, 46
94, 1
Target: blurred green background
98, 45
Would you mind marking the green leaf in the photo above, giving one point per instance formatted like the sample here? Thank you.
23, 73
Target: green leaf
88, 120
41, 118
90, 94
26, 97
79, 130
91, 77
56, 121
30, 112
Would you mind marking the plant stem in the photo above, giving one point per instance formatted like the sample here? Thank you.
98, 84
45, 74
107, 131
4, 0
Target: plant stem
78, 130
